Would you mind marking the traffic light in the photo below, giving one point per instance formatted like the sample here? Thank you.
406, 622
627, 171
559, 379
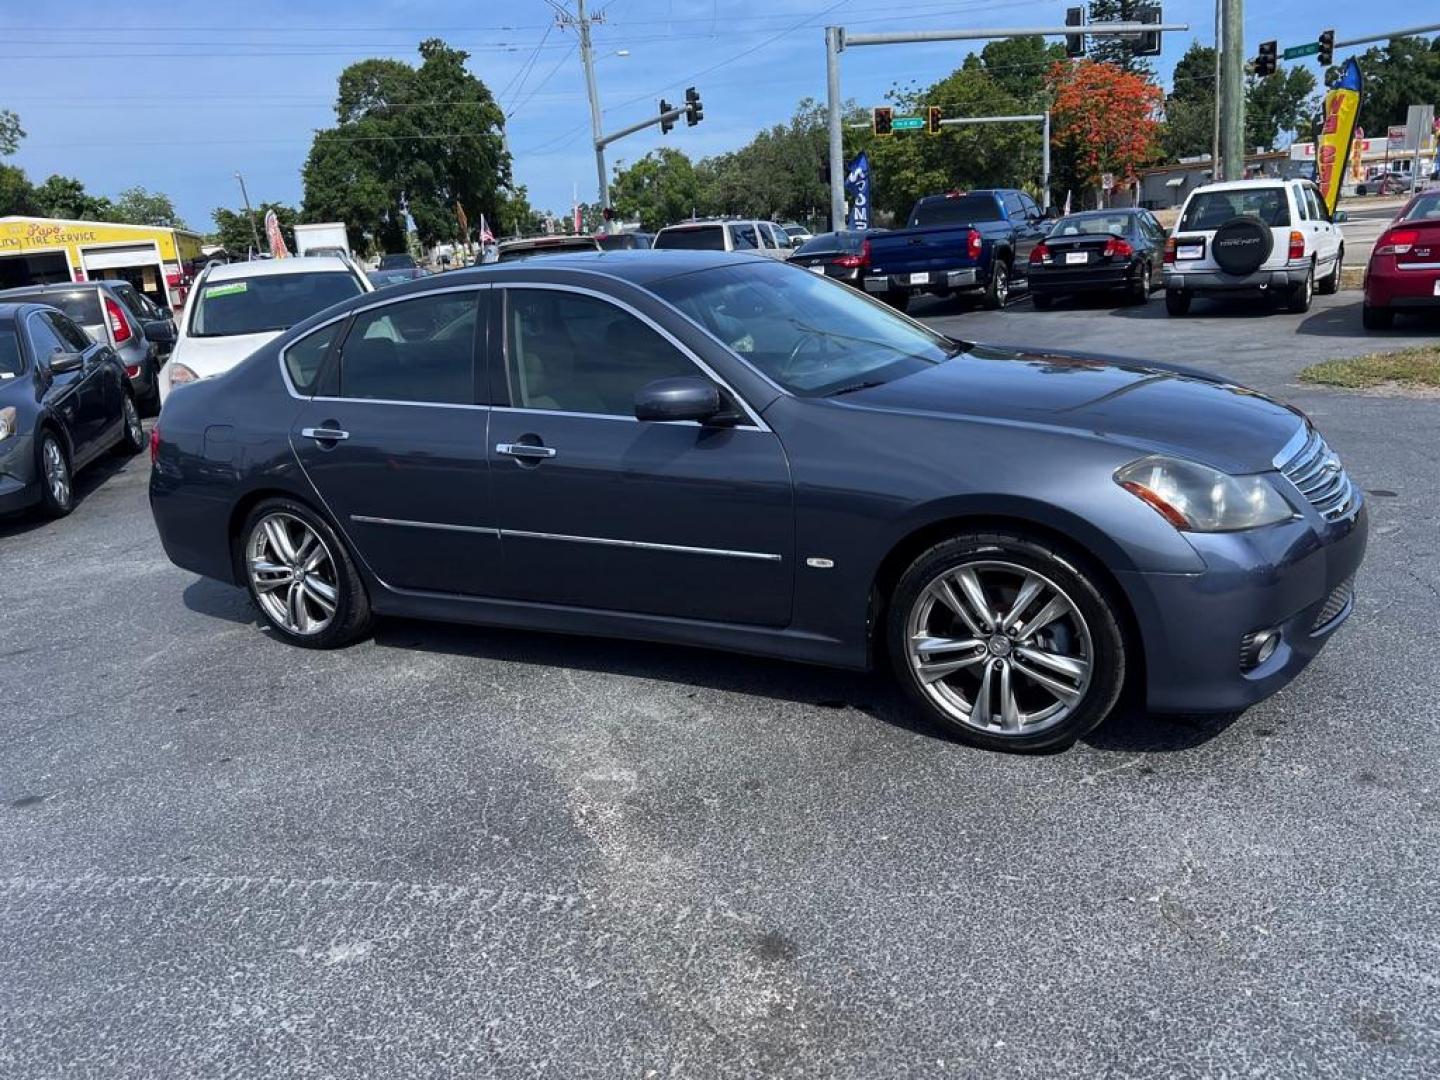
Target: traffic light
933, 113
1326, 55
1074, 43
694, 108
881, 119
666, 122
1149, 43
1265, 60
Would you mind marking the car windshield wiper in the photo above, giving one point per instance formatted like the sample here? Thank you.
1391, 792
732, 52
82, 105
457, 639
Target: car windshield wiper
950, 350
852, 387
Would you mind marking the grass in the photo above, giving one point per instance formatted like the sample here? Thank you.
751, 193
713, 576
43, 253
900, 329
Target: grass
1417, 368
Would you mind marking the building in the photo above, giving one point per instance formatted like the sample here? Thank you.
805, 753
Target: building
1163, 187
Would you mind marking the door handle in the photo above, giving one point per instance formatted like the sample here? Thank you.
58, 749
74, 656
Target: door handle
324, 434
524, 450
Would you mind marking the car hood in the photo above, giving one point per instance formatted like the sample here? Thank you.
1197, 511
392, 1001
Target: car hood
1155, 408
207, 356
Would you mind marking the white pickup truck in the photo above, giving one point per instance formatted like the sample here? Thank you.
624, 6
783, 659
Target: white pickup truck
322, 238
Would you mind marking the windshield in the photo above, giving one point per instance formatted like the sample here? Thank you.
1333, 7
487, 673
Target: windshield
11, 363
956, 210
1208, 210
705, 238
811, 335
271, 302
1093, 225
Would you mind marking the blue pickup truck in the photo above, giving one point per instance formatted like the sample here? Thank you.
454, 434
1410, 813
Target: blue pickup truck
960, 241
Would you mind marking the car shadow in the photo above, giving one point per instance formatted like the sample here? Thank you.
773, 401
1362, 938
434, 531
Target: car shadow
89, 479
1344, 321
1204, 307
206, 596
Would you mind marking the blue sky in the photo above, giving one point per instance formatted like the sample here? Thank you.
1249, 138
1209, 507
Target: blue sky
178, 96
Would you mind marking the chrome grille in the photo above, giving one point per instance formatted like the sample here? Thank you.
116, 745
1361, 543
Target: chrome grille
1318, 475
1334, 604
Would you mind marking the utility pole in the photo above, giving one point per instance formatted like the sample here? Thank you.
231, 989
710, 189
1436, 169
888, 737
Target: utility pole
587, 58
1215, 133
1232, 88
834, 42
254, 229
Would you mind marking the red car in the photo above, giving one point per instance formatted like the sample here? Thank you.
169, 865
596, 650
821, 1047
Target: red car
1404, 269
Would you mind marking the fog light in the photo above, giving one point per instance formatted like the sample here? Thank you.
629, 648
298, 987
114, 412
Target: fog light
1258, 646
1268, 644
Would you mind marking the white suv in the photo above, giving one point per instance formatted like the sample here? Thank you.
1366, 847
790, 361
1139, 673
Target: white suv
1268, 235
761, 237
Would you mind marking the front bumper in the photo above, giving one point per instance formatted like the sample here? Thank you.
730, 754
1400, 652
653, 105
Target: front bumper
968, 278
1217, 281
18, 488
1288, 577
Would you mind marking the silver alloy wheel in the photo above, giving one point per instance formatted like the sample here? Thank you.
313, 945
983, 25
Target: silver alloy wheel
1002, 283
57, 472
1000, 648
293, 574
133, 427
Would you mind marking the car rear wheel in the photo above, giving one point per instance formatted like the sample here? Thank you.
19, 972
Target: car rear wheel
57, 483
1140, 287
1005, 642
1177, 302
1300, 296
301, 578
900, 301
1376, 318
998, 291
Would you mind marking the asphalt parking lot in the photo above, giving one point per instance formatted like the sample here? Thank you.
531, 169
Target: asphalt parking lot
450, 851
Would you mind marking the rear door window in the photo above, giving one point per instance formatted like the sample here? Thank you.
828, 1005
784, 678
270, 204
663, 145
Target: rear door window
44, 339
305, 359
12, 363
75, 339
744, 238
417, 350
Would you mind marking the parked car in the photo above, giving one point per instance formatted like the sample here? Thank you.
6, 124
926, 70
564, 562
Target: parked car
626, 241
65, 400
758, 237
958, 242
719, 450
398, 261
1264, 237
843, 255
1098, 251
235, 309
798, 233
529, 246
1403, 274
107, 311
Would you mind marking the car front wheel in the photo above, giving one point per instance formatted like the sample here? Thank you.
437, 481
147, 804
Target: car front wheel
1005, 642
301, 577
132, 440
57, 483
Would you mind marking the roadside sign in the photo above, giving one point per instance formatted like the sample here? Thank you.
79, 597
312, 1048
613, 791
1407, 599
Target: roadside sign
1107, 181
1395, 136
908, 123
1296, 51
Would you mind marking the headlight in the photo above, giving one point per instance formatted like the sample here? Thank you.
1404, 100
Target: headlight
9, 422
1197, 498
180, 374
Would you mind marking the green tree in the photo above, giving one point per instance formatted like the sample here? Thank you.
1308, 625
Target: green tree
136, 206
409, 144
1017, 66
17, 196
660, 188
1279, 104
1403, 72
1113, 50
1190, 106
10, 133
66, 197
233, 232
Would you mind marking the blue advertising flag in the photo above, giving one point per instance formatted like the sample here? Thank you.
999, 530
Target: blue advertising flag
857, 185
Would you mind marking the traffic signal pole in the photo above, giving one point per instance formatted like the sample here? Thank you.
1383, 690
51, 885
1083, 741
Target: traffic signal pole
837, 41
1232, 89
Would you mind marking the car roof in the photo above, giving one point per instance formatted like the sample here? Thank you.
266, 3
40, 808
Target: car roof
300, 264
1105, 213
1241, 185
59, 287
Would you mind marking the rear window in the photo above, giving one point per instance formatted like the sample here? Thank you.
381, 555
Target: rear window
397, 262
1208, 210
11, 362
82, 305
961, 210
1093, 225
270, 303
702, 238
831, 243
1426, 208
551, 247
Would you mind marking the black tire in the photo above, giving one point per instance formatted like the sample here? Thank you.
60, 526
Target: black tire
1177, 302
1329, 285
1139, 291
1002, 554
1042, 301
1376, 318
132, 439
900, 301
1297, 301
351, 618
150, 402
54, 505
997, 289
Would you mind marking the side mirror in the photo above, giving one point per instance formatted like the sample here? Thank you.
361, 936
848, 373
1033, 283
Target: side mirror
688, 397
62, 363
1342, 216
160, 332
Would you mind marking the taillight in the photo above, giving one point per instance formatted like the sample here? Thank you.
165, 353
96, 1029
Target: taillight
1039, 254
118, 326
133, 370
1116, 246
972, 243
1169, 249
174, 280
154, 442
1297, 244
1397, 242
853, 261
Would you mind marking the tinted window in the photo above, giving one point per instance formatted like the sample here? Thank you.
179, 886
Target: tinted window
618, 242
11, 362
1092, 225
43, 338
268, 303
413, 350
75, 339
82, 305
1013, 206
1426, 207
397, 262
304, 359
1031, 210
1211, 209
703, 238
743, 237
809, 334
569, 352
961, 210
830, 243
139, 307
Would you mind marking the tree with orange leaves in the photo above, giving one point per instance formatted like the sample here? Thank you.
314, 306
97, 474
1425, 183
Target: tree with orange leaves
1104, 118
